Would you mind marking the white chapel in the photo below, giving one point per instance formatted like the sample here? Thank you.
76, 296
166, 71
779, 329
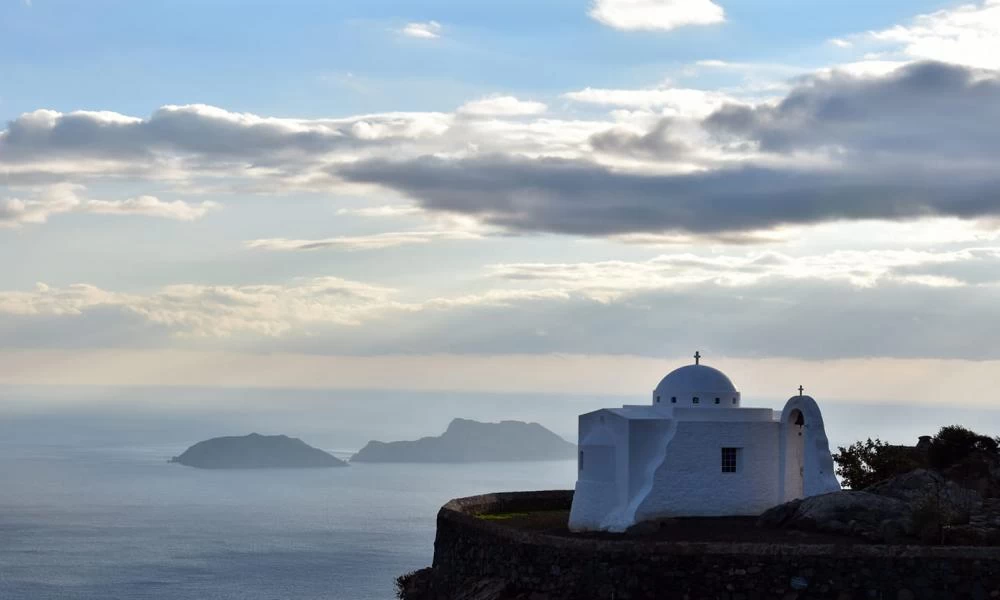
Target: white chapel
695, 451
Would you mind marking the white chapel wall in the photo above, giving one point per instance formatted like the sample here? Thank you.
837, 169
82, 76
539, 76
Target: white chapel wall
690, 482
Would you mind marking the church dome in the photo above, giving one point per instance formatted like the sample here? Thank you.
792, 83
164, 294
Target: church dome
697, 385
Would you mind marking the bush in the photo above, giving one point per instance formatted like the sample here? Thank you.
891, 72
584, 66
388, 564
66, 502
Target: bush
954, 443
403, 583
866, 463
415, 585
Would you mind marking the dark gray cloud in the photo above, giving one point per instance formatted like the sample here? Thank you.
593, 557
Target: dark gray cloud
928, 110
656, 143
579, 197
918, 142
191, 130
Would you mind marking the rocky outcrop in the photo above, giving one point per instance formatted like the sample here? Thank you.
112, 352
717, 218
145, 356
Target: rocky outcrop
479, 559
472, 441
922, 486
256, 451
860, 514
921, 505
979, 471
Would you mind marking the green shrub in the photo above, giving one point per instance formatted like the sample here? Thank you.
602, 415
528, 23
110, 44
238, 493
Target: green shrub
954, 443
865, 463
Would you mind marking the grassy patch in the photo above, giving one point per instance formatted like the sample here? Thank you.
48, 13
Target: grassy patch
503, 516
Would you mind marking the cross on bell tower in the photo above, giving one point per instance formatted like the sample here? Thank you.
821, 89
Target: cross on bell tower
801, 389
697, 357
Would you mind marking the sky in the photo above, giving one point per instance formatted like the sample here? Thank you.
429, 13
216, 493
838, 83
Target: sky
561, 197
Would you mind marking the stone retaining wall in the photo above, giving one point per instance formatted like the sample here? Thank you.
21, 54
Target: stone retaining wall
469, 549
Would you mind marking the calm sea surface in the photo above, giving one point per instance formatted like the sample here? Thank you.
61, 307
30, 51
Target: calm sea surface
102, 523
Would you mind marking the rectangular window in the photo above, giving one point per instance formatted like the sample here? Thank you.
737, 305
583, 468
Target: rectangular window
730, 460
581, 460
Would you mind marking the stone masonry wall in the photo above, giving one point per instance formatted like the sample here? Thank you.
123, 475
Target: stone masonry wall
469, 549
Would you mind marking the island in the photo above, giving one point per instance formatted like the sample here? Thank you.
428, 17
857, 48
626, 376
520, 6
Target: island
256, 451
472, 441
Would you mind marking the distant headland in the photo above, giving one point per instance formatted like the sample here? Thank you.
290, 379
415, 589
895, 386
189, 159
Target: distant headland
472, 441
256, 451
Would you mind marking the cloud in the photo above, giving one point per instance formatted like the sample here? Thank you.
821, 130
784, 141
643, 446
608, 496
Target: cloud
428, 30
927, 115
965, 35
178, 142
387, 210
218, 310
841, 43
655, 144
68, 198
376, 241
915, 143
674, 101
503, 106
900, 303
656, 15
608, 280
150, 206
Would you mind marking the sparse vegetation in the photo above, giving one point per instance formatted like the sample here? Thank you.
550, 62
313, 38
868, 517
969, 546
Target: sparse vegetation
954, 443
503, 516
403, 584
866, 463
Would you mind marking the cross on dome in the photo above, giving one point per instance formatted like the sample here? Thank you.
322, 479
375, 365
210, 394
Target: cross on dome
801, 389
697, 357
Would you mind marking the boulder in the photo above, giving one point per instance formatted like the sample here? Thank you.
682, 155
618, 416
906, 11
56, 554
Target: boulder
920, 504
979, 471
922, 486
848, 512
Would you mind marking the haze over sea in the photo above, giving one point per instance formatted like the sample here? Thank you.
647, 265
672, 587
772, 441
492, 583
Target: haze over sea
89, 522
90, 509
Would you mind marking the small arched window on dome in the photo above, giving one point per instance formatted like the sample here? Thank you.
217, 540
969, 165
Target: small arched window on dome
734, 400
695, 400
673, 399
718, 400
657, 399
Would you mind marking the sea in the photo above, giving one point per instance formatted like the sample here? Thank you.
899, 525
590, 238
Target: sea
86, 521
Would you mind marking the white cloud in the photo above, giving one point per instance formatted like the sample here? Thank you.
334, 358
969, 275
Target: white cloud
376, 241
220, 310
672, 101
965, 35
841, 43
501, 106
66, 198
656, 15
150, 206
609, 280
867, 68
387, 210
428, 30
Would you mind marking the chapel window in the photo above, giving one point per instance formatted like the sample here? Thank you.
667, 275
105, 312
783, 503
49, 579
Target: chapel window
717, 400
581, 460
657, 399
730, 460
734, 400
673, 399
695, 400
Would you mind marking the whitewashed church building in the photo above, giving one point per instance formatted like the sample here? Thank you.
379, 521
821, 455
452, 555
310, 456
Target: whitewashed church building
695, 451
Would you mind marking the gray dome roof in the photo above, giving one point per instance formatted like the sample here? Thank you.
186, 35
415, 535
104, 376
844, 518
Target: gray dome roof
693, 380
